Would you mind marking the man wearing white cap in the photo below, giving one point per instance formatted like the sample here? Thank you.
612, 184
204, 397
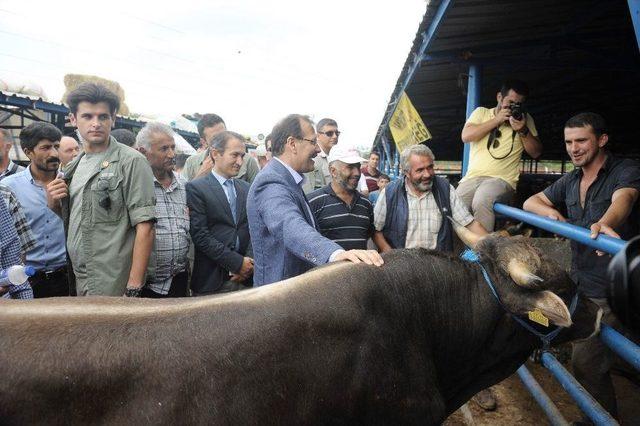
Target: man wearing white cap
343, 215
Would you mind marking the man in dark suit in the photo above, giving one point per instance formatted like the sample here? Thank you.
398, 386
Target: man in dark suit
219, 229
284, 233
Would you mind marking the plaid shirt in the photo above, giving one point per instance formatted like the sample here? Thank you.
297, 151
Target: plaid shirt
172, 235
27, 240
424, 217
15, 239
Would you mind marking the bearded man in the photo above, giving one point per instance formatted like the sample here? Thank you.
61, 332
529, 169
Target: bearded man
344, 216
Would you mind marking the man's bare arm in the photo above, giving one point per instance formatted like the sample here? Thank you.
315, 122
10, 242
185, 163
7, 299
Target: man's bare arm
540, 204
381, 242
477, 228
622, 202
142, 246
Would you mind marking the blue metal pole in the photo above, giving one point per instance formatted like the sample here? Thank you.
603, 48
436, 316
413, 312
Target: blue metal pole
474, 92
543, 400
634, 9
586, 402
624, 347
576, 233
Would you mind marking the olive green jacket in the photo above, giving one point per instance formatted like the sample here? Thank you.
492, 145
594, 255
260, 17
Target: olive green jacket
124, 177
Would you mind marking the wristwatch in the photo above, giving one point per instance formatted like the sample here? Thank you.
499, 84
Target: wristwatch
133, 292
524, 131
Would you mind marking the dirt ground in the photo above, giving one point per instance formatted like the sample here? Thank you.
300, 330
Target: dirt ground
517, 407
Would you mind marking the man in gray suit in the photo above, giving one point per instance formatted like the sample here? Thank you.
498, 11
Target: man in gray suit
284, 233
217, 209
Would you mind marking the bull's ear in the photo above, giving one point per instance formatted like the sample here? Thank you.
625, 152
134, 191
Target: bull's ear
551, 307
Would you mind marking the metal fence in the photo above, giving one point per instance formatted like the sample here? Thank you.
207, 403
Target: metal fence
614, 340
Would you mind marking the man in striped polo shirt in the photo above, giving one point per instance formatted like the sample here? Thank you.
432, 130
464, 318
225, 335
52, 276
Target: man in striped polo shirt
343, 215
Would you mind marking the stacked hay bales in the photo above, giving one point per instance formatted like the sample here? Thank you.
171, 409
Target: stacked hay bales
72, 81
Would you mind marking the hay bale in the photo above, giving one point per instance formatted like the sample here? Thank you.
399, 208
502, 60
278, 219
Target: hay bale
72, 81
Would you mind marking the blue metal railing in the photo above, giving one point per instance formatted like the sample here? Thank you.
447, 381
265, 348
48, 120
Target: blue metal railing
613, 339
576, 233
585, 401
624, 347
543, 400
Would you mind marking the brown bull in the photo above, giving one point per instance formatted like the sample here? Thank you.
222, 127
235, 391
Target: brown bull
406, 343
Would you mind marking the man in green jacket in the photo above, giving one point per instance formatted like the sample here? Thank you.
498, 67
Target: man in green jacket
106, 200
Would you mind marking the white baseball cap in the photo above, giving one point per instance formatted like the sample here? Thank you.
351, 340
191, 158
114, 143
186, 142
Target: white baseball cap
261, 151
345, 154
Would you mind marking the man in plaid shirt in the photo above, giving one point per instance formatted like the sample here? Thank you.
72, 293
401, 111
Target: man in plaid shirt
167, 274
16, 239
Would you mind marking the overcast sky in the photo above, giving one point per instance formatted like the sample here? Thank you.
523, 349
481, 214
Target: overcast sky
252, 62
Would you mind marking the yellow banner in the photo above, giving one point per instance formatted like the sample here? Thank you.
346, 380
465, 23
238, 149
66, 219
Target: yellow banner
407, 128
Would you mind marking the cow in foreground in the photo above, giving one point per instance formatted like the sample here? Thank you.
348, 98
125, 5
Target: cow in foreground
407, 343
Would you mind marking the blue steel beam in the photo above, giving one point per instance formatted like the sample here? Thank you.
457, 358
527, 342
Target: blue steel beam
634, 9
543, 400
624, 347
585, 401
427, 38
583, 236
474, 93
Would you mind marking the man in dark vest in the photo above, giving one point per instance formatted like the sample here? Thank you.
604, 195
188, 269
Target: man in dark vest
411, 212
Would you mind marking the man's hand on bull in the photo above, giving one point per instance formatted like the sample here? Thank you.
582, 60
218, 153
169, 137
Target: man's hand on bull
370, 257
602, 228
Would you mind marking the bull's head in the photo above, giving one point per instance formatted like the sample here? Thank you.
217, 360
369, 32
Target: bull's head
530, 280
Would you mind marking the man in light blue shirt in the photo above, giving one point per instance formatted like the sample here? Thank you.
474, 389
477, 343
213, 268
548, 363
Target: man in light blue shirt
40, 142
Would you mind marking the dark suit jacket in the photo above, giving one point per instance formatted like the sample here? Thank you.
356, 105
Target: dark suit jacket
214, 232
285, 241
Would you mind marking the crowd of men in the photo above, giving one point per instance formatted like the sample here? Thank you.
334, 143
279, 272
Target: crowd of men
111, 213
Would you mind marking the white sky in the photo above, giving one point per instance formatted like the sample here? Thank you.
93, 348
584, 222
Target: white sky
252, 62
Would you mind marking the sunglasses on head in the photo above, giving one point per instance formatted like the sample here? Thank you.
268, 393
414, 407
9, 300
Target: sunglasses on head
330, 133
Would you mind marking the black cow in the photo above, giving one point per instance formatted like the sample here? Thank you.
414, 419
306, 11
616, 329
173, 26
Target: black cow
407, 343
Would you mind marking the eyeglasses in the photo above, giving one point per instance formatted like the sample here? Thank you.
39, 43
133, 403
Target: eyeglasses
311, 141
330, 133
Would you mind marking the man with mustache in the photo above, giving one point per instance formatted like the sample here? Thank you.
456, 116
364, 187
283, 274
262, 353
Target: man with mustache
344, 216
167, 274
412, 211
106, 200
601, 193
219, 228
40, 142
284, 232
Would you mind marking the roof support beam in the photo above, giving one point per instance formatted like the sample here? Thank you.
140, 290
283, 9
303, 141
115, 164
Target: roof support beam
427, 38
474, 93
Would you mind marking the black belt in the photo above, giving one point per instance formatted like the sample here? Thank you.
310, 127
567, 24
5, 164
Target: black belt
47, 275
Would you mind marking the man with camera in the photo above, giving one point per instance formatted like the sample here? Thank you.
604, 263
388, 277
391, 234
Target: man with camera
497, 137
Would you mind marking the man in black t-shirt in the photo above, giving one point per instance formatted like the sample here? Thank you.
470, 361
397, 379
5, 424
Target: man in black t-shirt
600, 194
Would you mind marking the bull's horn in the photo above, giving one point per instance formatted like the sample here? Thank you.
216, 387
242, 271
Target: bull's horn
521, 274
469, 238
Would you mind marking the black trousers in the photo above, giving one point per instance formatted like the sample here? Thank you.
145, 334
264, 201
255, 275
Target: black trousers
179, 288
52, 284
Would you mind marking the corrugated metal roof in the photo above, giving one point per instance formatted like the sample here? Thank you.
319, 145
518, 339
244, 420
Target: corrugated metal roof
576, 55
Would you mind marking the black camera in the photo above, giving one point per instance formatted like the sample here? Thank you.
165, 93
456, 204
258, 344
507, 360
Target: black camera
517, 110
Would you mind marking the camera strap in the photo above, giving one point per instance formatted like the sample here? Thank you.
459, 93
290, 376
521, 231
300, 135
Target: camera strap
492, 138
